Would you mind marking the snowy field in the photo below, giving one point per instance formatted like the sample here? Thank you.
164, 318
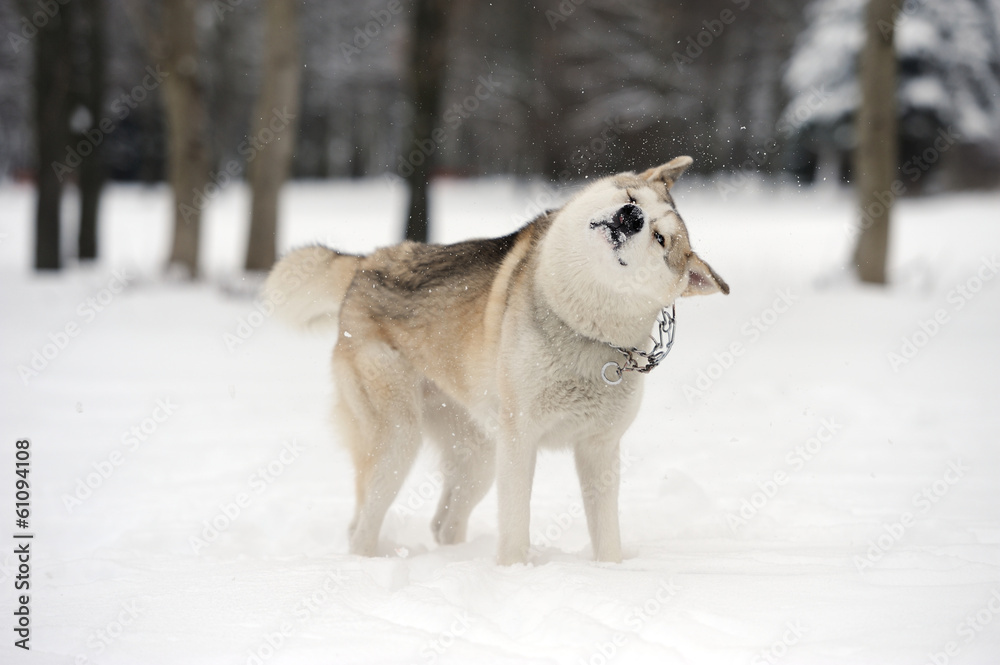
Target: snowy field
813, 477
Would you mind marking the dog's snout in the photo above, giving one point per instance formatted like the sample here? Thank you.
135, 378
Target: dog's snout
628, 219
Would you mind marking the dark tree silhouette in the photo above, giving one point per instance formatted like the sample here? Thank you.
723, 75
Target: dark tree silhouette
278, 101
428, 51
53, 76
92, 168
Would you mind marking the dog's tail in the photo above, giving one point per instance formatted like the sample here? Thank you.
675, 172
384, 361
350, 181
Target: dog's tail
308, 285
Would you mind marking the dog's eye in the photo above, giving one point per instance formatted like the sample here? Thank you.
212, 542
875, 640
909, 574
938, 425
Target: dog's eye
631, 199
658, 238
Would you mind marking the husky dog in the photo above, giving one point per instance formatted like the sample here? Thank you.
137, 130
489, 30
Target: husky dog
496, 347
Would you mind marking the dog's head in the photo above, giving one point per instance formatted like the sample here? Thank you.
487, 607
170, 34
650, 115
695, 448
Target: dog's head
622, 239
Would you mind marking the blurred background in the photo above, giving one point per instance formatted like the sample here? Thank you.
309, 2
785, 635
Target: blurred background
100, 91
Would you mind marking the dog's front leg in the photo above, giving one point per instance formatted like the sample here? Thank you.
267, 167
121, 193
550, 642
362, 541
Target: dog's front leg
515, 473
598, 465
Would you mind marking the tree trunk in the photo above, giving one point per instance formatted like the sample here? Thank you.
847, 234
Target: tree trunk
524, 54
187, 150
53, 73
92, 168
428, 51
273, 124
875, 157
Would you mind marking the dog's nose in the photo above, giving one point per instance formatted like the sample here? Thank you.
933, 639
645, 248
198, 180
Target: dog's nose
628, 219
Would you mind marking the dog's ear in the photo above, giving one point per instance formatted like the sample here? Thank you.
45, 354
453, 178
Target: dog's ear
668, 173
702, 280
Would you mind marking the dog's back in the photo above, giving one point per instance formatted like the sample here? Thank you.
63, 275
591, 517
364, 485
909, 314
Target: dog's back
429, 303
416, 285
432, 303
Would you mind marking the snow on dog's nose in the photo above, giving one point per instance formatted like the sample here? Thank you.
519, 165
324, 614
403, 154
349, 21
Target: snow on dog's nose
628, 220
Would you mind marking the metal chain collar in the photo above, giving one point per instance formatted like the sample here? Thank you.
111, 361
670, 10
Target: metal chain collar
662, 344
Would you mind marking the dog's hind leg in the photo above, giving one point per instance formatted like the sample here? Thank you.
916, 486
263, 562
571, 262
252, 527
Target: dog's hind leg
468, 460
380, 397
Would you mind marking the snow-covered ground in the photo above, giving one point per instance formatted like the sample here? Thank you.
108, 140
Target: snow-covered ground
792, 492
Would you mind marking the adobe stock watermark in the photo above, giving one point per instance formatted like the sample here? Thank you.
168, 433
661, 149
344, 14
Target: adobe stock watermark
795, 460
650, 265
257, 483
440, 644
453, 118
539, 204
915, 168
562, 12
551, 197
752, 331
596, 147
923, 501
968, 629
786, 127
365, 35
246, 326
430, 487
432, 483
928, 329
99, 640
35, 21
304, 610
249, 149
793, 118
294, 276
635, 620
223, 7
86, 311
778, 649
122, 107
131, 440
904, 12
562, 522
713, 29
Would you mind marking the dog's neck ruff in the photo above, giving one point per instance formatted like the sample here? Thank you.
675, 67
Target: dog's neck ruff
662, 343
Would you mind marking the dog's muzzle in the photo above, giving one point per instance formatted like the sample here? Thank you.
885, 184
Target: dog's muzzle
628, 220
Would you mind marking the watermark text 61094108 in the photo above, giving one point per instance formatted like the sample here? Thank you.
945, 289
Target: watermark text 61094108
22, 544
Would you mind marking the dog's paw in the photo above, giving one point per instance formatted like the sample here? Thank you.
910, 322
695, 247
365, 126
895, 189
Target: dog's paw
448, 532
510, 561
608, 550
509, 556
